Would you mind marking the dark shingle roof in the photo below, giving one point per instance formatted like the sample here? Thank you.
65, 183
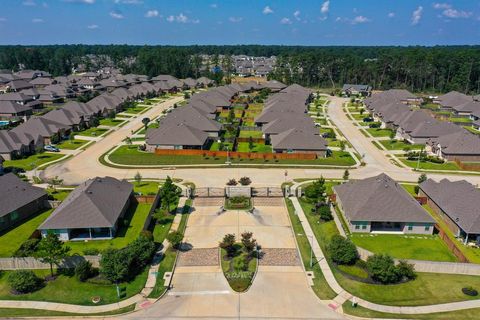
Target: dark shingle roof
16, 193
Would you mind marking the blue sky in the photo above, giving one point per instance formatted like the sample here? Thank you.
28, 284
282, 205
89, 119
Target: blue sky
182, 22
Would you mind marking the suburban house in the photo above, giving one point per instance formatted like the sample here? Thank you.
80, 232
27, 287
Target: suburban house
19, 201
461, 145
10, 109
356, 89
452, 99
91, 211
176, 136
381, 205
297, 140
457, 203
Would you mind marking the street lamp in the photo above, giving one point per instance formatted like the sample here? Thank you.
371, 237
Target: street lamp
311, 250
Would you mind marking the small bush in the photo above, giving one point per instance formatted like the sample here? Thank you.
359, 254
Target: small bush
24, 281
84, 271
175, 238
406, 270
240, 264
232, 182
342, 250
245, 181
27, 248
470, 291
374, 125
325, 213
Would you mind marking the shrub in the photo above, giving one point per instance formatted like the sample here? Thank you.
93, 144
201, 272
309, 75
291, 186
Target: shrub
325, 213
27, 248
374, 125
382, 268
228, 244
470, 291
232, 182
146, 234
342, 250
406, 270
24, 281
175, 238
84, 271
245, 181
141, 250
240, 264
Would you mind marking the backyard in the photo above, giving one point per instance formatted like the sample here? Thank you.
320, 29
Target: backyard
400, 145
71, 144
92, 132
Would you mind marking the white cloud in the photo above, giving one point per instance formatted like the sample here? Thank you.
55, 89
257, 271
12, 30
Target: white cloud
417, 15
267, 10
2, 19
325, 7
437, 5
128, 1
214, 6
116, 14
181, 18
235, 19
29, 3
296, 14
360, 19
81, 1
37, 20
152, 14
93, 26
286, 21
453, 13
391, 14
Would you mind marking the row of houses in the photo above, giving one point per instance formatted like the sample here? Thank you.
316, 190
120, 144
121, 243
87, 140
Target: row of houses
443, 139
26, 91
461, 105
286, 124
283, 121
58, 124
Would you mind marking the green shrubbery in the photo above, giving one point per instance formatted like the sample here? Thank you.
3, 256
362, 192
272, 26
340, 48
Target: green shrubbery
84, 271
382, 268
342, 250
24, 281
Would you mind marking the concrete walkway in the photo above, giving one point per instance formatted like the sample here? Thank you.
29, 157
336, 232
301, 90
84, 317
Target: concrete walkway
343, 295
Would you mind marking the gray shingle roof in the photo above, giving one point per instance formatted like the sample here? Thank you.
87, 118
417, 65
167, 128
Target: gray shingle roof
16, 193
299, 140
460, 200
453, 99
96, 203
179, 134
380, 199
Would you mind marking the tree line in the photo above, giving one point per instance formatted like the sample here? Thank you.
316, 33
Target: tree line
418, 69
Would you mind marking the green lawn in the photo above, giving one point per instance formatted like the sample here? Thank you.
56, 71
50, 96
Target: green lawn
110, 122
418, 247
216, 146
400, 145
129, 155
253, 134
469, 314
377, 132
92, 132
58, 195
12, 239
229, 267
33, 161
71, 144
410, 188
17, 312
460, 120
320, 287
257, 147
67, 289
430, 165
136, 216
472, 130
146, 187
135, 110
426, 289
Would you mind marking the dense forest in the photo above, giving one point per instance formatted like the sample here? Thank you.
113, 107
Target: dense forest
436, 69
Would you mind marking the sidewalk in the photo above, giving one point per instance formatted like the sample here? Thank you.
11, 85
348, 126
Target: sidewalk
343, 295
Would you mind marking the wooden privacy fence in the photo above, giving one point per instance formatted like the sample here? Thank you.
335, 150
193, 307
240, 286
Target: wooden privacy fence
239, 155
452, 246
145, 198
468, 166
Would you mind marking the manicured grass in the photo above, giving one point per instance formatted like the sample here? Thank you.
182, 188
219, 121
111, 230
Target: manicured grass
418, 247
472, 130
33, 161
17, 312
460, 120
151, 125
469, 314
358, 116
129, 155
67, 289
430, 165
71, 144
399, 145
58, 195
257, 147
377, 132
216, 146
354, 270
136, 216
146, 187
12, 239
410, 189
426, 289
238, 279
110, 122
92, 132
253, 134
320, 287
135, 110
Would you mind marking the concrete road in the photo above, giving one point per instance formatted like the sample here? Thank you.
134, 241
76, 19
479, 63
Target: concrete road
86, 165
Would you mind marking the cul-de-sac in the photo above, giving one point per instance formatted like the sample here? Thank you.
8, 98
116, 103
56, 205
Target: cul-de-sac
239, 159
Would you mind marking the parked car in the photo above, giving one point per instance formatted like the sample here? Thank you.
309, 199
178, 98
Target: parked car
51, 148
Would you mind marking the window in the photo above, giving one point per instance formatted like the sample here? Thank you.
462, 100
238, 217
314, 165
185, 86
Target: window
357, 227
427, 228
410, 227
13, 215
364, 227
